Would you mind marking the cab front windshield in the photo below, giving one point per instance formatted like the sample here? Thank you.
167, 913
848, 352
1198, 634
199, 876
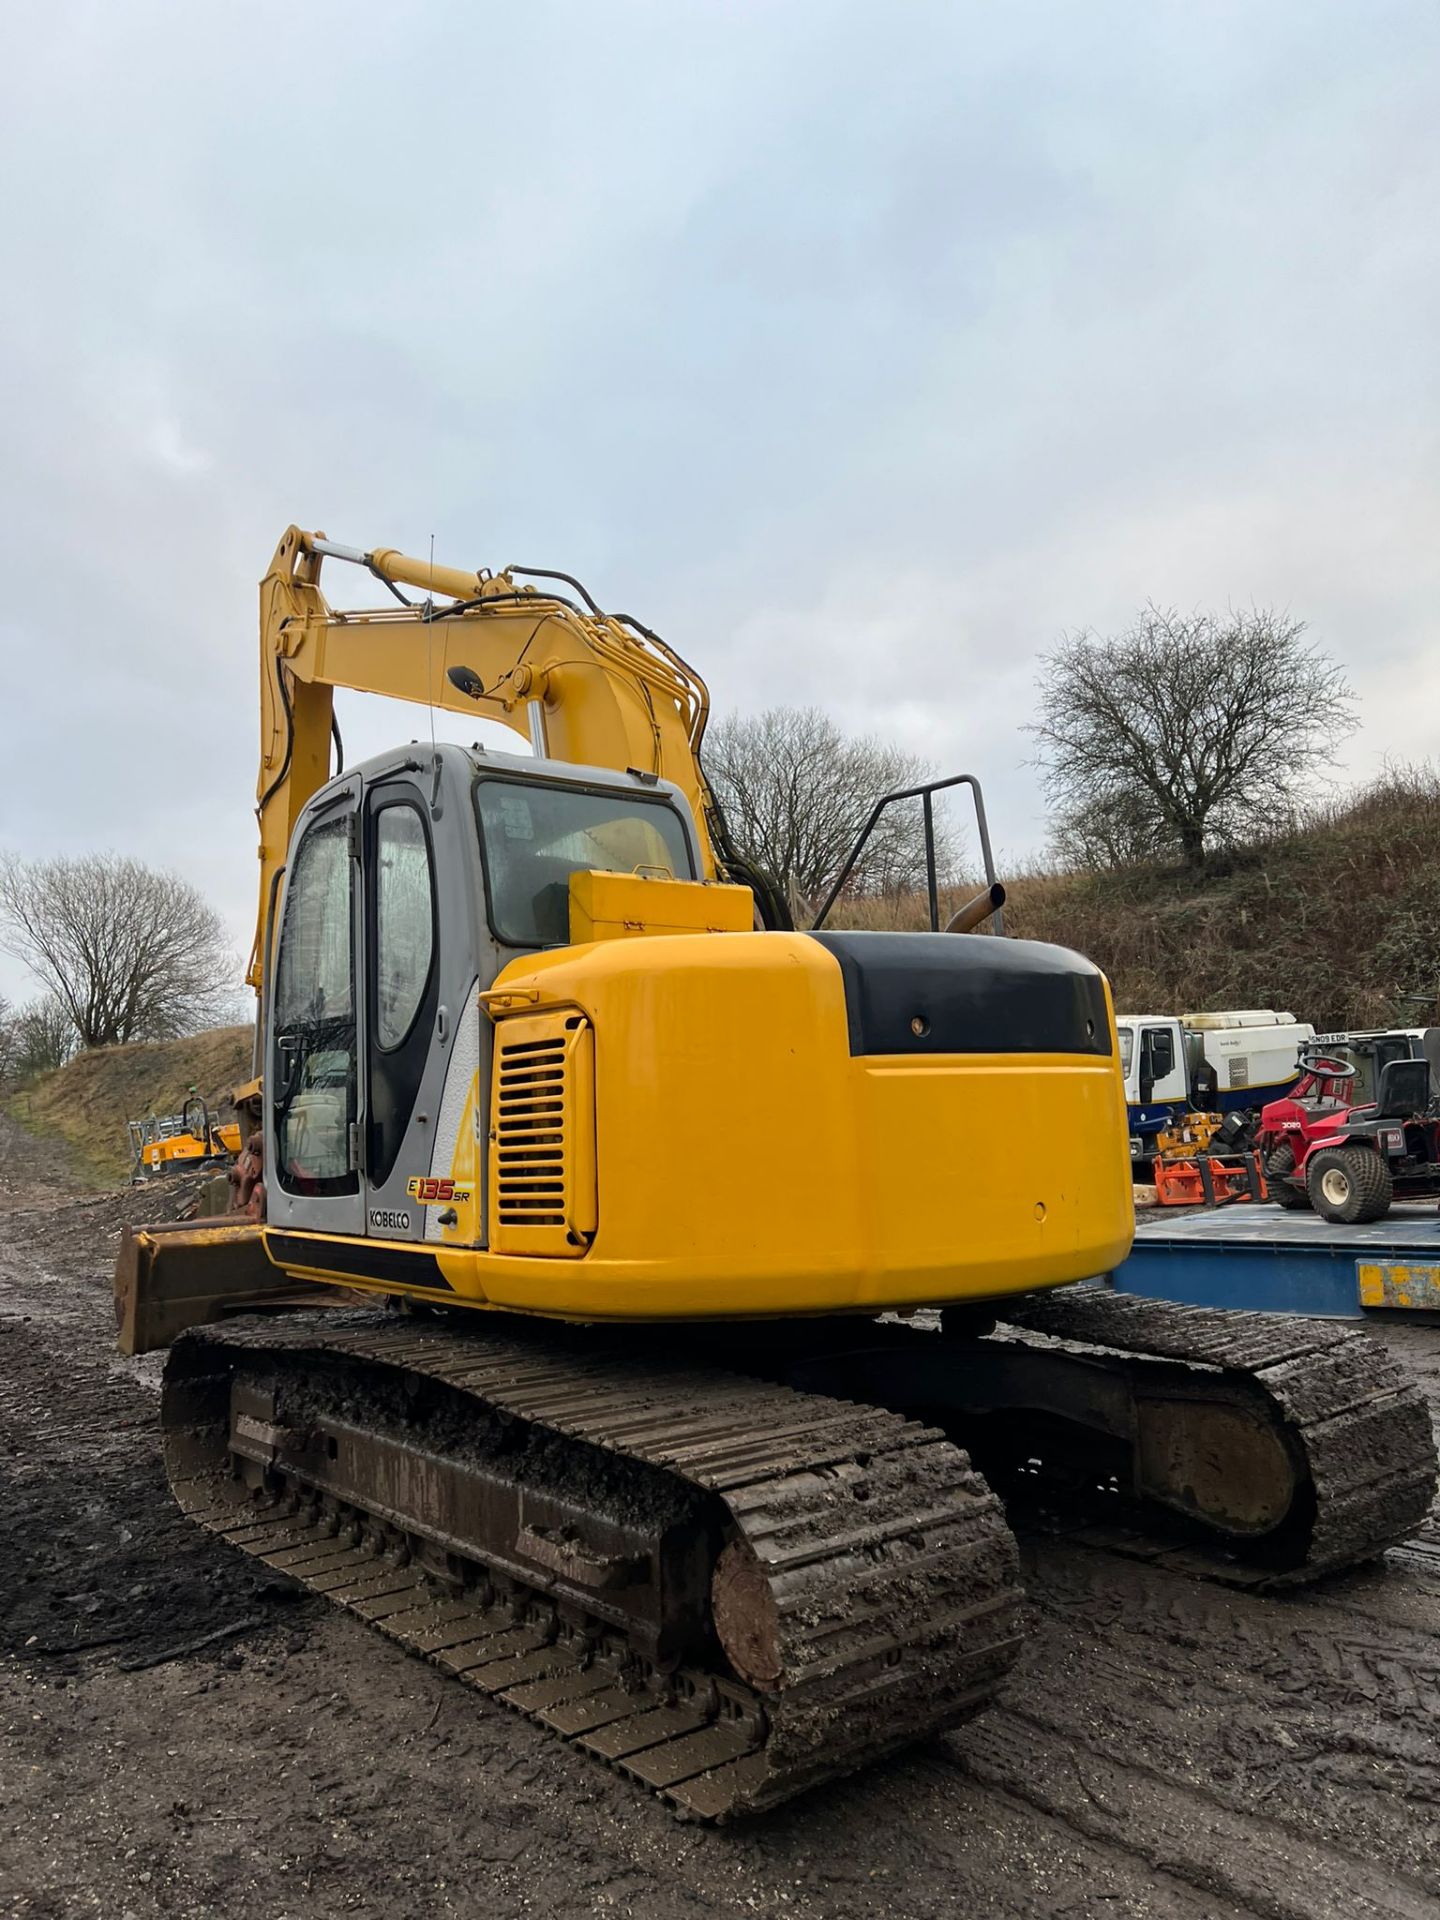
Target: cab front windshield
536, 836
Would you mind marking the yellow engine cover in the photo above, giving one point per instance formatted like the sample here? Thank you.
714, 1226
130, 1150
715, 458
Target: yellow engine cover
680, 1129
747, 1162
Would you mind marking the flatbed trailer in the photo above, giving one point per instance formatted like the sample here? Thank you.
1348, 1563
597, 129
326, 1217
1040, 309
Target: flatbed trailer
1269, 1261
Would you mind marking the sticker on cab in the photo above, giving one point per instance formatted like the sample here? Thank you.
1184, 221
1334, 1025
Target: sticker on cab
431, 1192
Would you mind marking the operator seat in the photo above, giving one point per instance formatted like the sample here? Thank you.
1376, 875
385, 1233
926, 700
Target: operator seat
1404, 1091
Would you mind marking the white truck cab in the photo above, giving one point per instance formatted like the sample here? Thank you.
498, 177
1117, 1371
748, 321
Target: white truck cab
1253, 1054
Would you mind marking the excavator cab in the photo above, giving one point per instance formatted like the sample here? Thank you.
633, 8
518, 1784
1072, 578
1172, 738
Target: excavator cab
412, 884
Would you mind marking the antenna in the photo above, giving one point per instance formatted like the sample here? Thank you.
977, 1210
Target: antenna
429, 650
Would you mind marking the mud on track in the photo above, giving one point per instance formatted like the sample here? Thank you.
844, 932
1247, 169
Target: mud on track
1165, 1749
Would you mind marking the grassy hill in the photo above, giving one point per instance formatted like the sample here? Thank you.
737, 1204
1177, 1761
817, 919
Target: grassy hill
88, 1102
1338, 921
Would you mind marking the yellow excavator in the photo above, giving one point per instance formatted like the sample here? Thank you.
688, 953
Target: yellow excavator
632, 1290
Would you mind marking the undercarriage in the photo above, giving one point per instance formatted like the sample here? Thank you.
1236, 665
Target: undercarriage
736, 1579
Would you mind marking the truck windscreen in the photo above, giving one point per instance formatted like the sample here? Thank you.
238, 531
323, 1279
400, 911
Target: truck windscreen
534, 837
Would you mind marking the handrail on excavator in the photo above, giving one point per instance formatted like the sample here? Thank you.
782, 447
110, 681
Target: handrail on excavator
989, 901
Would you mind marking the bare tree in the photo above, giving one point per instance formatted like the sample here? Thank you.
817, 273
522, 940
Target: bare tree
34, 1039
1185, 732
1115, 830
128, 953
795, 792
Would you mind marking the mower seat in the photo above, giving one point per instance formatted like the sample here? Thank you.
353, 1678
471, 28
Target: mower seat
1404, 1090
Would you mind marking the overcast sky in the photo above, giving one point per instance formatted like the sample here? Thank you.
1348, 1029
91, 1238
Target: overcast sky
862, 350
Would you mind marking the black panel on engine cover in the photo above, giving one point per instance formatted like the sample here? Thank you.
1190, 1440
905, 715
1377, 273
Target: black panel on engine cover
968, 993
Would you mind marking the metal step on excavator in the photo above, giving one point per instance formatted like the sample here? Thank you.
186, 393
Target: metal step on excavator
638, 1306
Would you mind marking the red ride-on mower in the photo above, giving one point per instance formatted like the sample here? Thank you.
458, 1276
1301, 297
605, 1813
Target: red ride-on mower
1312, 1110
1351, 1169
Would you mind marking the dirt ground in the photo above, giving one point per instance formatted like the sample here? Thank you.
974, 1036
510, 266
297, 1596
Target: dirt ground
183, 1734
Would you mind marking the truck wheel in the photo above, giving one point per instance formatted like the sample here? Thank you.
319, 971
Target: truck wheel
1279, 1171
1349, 1185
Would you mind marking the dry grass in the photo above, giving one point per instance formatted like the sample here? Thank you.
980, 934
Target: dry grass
902, 912
1336, 920
88, 1102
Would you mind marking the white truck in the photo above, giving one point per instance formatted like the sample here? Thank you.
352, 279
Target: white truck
1254, 1054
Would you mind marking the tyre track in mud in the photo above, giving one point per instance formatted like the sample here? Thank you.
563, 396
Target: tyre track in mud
1300, 1738
1165, 1748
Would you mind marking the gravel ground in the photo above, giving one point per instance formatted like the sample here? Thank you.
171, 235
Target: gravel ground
183, 1734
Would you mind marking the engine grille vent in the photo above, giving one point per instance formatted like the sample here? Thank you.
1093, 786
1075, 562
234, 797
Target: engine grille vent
542, 1157
530, 1134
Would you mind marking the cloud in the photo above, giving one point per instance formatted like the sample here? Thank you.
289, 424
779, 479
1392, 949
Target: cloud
862, 353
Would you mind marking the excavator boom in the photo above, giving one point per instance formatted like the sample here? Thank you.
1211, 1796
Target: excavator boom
580, 685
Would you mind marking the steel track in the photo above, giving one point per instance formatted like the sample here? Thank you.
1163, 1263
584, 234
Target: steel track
888, 1561
1360, 1422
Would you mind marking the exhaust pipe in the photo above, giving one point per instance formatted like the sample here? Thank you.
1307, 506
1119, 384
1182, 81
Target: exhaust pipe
974, 912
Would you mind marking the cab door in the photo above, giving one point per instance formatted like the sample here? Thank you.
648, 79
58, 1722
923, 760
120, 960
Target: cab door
404, 1025
424, 961
313, 1082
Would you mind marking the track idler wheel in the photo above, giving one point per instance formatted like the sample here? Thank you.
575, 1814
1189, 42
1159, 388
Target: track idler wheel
747, 1621
1227, 1466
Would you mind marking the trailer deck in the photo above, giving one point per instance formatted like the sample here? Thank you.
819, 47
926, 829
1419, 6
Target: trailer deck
1270, 1261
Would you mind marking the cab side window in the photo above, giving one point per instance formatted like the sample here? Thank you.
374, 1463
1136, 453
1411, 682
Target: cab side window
1160, 1043
313, 1066
403, 976
404, 921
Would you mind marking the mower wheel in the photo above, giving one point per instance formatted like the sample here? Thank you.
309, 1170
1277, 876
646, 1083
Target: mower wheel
1349, 1184
1279, 1172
